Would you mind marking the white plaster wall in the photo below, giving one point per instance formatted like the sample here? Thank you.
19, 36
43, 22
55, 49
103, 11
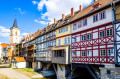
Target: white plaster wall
90, 23
15, 38
78, 53
21, 64
95, 52
95, 35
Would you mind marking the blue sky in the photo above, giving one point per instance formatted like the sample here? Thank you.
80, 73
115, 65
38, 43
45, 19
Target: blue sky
32, 15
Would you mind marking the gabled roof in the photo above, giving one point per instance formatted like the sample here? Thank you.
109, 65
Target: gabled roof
15, 23
90, 8
19, 59
4, 45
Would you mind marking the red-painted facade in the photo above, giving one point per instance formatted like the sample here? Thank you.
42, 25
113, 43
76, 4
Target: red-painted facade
99, 43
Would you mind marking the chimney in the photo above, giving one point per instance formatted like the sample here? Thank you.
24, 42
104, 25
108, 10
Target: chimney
38, 30
80, 7
63, 16
27, 35
48, 24
72, 11
95, 0
54, 20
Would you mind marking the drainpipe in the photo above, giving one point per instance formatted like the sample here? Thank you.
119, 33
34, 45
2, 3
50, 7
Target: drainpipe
115, 45
71, 51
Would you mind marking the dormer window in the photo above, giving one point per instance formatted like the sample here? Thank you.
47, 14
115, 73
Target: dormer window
96, 6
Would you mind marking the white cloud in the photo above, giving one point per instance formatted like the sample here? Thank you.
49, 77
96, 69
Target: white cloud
55, 8
19, 9
4, 32
34, 2
24, 34
41, 22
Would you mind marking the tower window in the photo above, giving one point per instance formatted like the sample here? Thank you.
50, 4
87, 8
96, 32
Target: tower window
16, 32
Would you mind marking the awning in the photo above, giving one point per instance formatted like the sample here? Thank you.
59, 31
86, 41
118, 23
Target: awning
60, 48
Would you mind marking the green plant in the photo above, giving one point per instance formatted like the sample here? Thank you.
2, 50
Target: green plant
10, 65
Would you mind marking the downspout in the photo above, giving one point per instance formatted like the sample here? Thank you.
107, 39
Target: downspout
115, 45
71, 51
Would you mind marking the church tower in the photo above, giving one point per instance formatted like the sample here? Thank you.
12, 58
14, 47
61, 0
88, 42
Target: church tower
14, 33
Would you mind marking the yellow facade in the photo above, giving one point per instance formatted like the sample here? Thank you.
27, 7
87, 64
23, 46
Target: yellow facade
10, 53
62, 41
64, 33
62, 36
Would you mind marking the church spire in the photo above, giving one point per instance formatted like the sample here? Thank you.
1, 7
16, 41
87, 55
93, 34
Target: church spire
15, 23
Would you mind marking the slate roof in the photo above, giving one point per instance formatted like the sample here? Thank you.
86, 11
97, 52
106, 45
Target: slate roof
15, 23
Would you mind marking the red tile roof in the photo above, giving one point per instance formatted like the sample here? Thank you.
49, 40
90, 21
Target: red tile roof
4, 45
19, 59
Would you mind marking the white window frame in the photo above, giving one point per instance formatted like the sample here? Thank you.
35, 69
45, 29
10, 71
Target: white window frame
68, 40
89, 36
103, 35
59, 41
83, 38
73, 54
101, 15
83, 53
102, 52
65, 40
110, 52
109, 34
85, 22
89, 53
95, 18
79, 24
74, 39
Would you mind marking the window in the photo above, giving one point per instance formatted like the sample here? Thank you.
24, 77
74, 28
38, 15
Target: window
54, 43
84, 22
83, 38
96, 7
83, 54
16, 32
110, 52
95, 18
73, 54
89, 36
79, 24
89, 53
43, 38
58, 41
74, 26
47, 44
102, 34
68, 39
59, 53
73, 39
44, 45
64, 29
102, 15
65, 40
109, 32
40, 38
102, 52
